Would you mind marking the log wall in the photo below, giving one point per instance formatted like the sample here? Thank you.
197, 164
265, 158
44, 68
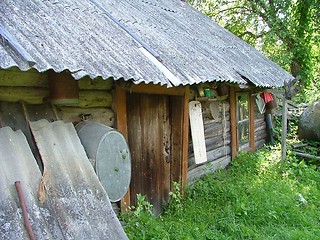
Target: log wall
260, 133
217, 138
32, 87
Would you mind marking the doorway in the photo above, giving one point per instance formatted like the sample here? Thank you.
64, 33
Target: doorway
155, 136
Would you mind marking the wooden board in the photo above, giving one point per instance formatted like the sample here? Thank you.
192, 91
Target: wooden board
155, 136
197, 132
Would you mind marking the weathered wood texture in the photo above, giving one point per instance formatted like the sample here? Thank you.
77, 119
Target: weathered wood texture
210, 167
217, 139
233, 121
31, 78
260, 129
75, 114
32, 87
152, 141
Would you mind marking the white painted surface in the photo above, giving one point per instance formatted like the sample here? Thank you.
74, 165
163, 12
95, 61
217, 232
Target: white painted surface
197, 132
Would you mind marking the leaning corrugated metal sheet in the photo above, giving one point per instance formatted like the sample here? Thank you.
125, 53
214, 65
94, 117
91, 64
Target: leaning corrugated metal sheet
18, 164
82, 37
74, 191
74, 206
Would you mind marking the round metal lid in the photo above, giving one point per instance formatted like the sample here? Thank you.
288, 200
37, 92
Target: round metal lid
111, 155
113, 165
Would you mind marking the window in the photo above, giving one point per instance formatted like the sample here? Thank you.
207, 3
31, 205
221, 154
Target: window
242, 120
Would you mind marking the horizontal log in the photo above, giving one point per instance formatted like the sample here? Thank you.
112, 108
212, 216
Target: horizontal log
87, 83
33, 95
218, 152
201, 170
299, 145
73, 114
30, 95
260, 135
259, 144
306, 155
209, 120
88, 99
259, 121
211, 155
215, 142
156, 89
216, 129
16, 78
260, 128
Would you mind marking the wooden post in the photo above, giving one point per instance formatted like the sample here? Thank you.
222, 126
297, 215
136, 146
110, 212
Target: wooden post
121, 113
185, 140
251, 122
233, 121
284, 130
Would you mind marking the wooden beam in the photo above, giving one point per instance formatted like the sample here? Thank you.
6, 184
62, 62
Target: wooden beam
17, 78
157, 89
95, 84
121, 113
251, 121
284, 129
30, 95
233, 121
185, 140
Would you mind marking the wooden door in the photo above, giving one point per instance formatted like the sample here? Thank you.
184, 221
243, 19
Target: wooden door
155, 125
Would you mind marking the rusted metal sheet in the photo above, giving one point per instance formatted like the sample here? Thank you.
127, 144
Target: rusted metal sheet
73, 189
99, 39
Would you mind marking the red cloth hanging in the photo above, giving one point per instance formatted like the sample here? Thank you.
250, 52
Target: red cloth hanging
266, 96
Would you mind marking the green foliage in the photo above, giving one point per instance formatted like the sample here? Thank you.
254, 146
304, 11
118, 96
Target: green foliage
284, 30
256, 197
143, 206
175, 206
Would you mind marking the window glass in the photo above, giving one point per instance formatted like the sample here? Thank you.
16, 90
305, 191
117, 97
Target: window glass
243, 120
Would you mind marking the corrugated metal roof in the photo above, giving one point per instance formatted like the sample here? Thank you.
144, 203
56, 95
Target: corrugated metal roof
75, 207
80, 36
192, 46
72, 35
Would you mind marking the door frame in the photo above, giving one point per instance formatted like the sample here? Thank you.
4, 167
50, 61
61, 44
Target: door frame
233, 119
121, 122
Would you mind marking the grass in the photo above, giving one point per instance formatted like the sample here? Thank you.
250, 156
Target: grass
256, 197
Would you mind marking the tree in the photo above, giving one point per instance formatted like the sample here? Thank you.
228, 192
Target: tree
287, 31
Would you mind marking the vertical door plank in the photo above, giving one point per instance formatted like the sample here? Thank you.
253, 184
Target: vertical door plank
233, 121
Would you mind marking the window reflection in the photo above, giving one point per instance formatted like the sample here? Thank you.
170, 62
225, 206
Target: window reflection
243, 120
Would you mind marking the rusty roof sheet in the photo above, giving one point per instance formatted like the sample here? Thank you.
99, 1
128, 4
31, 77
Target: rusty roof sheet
75, 205
95, 38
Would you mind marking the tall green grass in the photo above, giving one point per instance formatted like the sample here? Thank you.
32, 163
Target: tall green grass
256, 197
